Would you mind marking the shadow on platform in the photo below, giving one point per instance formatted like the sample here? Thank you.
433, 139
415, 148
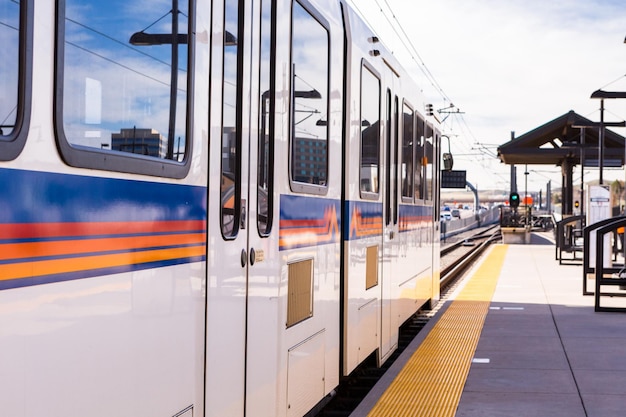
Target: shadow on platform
536, 239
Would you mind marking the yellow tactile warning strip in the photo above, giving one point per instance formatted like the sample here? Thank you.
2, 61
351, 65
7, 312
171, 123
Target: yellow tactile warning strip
432, 381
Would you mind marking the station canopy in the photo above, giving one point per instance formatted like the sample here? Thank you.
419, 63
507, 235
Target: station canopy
561, 140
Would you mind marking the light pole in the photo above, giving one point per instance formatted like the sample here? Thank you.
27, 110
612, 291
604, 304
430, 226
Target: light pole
526, 186
582, 165
174, 38
602, 95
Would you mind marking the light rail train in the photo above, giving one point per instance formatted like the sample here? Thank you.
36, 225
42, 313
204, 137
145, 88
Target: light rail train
209, 208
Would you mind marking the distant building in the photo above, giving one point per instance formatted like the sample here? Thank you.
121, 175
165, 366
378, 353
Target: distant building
309, 163
140, 141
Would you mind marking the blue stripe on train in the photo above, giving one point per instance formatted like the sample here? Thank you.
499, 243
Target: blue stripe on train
42, 197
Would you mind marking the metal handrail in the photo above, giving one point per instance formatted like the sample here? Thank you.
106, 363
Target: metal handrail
560, 235
588, 268
601, 272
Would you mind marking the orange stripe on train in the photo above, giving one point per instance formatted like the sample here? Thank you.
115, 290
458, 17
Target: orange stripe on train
61, 266
82, 246
325, 230
41, 230
365, 226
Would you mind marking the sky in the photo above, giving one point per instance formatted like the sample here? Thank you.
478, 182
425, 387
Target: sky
507, 66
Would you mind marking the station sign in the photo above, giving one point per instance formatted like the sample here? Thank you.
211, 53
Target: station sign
599, 207
453, 179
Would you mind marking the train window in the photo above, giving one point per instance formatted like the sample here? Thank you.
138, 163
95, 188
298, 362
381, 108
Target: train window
436, 170
309, 106
122, 86
408, 141
396, 134
388, 160
231, 119
265, 186
418, 182
370, 132
16, 69
429, 158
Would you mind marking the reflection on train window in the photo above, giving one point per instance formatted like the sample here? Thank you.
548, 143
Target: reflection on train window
408, 140
15, 75
420, 162
388, 170
428, 163
265, 174
370, 131
124, 77
9, 65
396, 146
309, 111
231, 116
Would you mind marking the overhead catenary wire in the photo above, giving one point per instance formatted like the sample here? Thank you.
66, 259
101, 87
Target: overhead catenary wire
621, 77
407, 43
398, 28
413, 50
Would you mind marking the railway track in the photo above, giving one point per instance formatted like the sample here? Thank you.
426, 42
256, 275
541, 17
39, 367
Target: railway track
455, 259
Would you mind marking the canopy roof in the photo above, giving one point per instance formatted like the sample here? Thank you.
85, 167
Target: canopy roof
560, 139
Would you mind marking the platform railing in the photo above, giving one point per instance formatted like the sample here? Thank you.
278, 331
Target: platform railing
589, 265
614, 275
568, 232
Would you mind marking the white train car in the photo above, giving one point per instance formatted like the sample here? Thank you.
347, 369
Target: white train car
204, 213
390, 216
104, 225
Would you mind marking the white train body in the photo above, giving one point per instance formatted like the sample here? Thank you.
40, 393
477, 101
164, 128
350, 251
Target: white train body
191, 225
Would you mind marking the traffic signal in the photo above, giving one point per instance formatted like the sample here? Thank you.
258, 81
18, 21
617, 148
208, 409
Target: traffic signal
576, 204
429, 109
514, 200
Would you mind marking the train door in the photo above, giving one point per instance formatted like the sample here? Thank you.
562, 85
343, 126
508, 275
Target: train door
227, 258
263, 280
389, 327
229, 207
243, 277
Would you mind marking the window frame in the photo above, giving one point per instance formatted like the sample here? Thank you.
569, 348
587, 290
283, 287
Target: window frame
396, 158
366, 66
298, 186
388, 144
80, 156
271, 122
410, 176
11, 145
429, 182
418, 192
237, 174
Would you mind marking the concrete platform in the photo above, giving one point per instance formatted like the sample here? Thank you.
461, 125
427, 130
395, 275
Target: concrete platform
543, 351
549, 353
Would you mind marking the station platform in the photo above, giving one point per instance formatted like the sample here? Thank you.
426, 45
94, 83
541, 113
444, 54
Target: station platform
516, 338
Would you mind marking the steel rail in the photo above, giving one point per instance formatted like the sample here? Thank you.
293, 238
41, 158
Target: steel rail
451, 272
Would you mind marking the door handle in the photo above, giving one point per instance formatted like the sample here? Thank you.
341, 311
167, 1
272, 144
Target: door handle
244, 258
